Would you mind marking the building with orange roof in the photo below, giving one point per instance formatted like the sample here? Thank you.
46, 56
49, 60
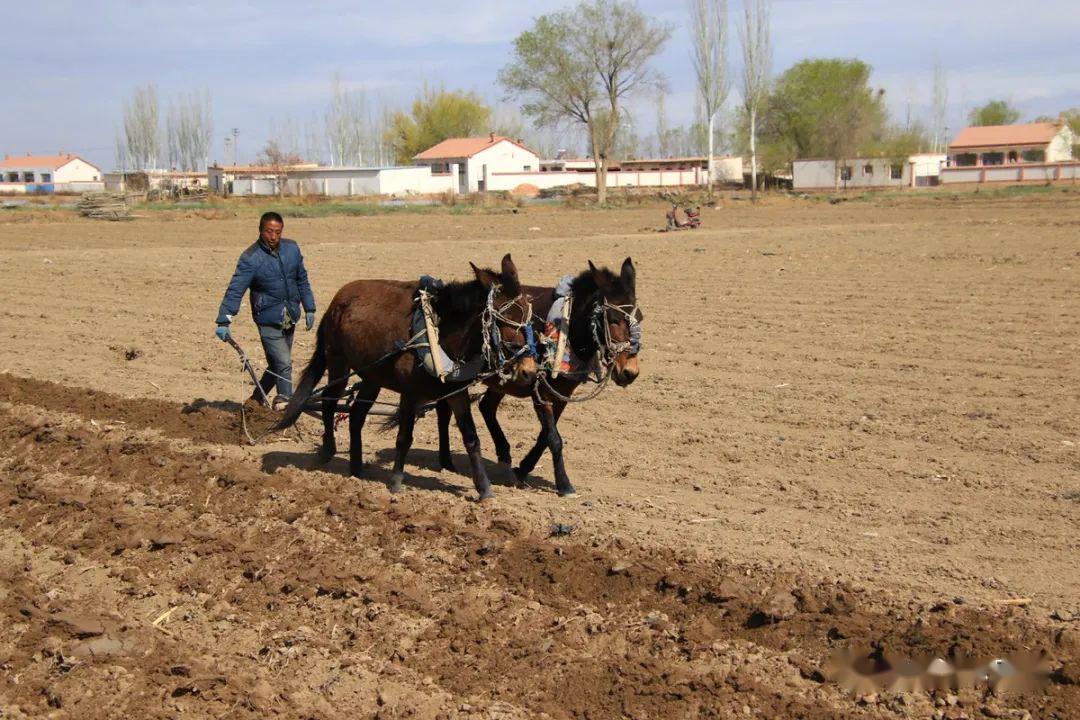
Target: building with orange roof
1031, 152
991, 145
63, 172
474, 160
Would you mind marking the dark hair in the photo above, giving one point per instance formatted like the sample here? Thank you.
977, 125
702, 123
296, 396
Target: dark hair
270, 216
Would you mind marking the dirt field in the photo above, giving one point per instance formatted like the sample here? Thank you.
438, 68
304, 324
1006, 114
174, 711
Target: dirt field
855, 424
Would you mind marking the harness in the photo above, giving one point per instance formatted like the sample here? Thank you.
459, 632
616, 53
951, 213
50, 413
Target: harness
607, 350
496, 355
499, 354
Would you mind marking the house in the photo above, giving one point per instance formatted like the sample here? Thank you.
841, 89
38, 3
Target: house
474, 160
1043, 142
1040, 152
919, 170
313, 179
63, 172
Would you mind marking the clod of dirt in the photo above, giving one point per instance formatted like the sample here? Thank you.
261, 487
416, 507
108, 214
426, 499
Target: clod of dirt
779, 606
97, 647
79, 626
133, 354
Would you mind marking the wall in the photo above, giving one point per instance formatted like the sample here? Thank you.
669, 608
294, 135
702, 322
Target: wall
1060, 149
504, 157
821, 174
546, 180
77, 171
813, 174
1023, 172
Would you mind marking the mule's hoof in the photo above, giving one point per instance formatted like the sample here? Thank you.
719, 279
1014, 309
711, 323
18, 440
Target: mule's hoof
397, 483
567, 491
446, 463
357, 471
486, 496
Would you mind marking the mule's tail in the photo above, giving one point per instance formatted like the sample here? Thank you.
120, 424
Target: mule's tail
308, 380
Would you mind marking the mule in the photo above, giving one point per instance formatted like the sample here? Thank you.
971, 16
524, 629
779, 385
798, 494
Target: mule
603, 309
367, 330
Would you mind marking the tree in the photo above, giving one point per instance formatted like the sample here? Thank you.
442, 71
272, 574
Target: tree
824, 108
345, 125
995, 112
939, 105
142, 136
189, 125
709, 34
436, 116
579, 66
756, 33
279, 161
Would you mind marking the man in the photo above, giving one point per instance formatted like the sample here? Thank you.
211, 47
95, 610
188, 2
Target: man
273, 269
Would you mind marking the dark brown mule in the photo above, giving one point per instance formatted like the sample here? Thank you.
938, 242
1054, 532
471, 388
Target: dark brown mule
366, 326
599, 323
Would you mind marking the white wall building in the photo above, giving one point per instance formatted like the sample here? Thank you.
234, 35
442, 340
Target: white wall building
329, 181
918, 170
21, 174
473, 161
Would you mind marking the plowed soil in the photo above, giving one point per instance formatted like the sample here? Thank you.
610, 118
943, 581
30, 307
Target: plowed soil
855, 425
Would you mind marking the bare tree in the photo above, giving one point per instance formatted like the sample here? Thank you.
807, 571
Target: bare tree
202, 129
280, 163
189, 125
756, 32
709, 34
345, 125
580, 66
939, 106
142, 137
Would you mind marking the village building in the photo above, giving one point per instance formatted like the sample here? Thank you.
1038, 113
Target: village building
816, 174
1031, 152
473, 161
311, 179
63, 173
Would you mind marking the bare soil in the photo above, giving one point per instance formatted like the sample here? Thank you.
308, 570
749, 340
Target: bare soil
855, 424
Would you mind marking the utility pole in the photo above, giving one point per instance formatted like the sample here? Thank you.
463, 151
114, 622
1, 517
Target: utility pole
236, 145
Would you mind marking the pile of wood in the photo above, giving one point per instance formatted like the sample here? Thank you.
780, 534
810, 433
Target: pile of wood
104, 206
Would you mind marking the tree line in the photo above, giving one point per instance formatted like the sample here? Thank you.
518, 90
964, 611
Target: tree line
573, 75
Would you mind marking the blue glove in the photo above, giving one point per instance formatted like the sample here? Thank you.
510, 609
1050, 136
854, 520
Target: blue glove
222, 332
309, 320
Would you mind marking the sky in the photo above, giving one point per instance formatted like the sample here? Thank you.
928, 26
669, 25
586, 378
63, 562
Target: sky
69, 66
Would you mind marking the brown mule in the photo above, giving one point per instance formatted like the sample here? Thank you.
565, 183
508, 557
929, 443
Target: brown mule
599, 322
364, 332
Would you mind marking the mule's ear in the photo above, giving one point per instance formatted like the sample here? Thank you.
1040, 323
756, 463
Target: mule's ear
486, 277
509, 269
629, 275
599, 277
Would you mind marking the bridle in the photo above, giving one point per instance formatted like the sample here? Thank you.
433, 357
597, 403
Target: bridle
498, 353
606, 347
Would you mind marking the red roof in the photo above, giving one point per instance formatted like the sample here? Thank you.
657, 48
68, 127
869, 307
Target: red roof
453, 148
38, 161
1000, 135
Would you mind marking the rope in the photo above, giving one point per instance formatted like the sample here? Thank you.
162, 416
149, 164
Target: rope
542, 378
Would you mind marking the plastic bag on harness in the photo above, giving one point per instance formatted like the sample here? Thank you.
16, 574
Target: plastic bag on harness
443, 366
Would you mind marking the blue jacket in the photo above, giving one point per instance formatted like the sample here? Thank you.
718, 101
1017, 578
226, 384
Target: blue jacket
278, 283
